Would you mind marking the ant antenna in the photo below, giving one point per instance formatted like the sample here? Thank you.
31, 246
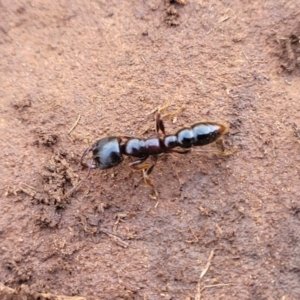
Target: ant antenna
89, 165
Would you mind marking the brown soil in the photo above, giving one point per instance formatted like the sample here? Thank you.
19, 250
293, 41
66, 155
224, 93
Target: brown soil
222, 227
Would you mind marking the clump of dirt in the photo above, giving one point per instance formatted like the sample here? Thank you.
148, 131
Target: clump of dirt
59, 182
21, 104
218, 59
23, 107
49, 217
45, 139
17, 274
172, 15
291, 50
296, 130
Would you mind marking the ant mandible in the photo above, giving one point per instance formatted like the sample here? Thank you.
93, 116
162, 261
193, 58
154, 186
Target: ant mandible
108, 152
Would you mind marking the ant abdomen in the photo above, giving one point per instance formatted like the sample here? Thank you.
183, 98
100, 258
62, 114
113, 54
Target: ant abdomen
199, 134
206, 133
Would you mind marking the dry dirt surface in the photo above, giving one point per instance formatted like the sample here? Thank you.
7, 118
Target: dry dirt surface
222, 227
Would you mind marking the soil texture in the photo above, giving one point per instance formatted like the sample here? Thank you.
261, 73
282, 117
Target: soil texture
221, 227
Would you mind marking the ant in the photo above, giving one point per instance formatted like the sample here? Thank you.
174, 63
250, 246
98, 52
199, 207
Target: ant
108, 152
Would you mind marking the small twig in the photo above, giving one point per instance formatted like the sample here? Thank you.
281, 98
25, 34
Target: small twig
245, 55
28, 186
144, 60
207, 265
181, 182
72, 191
116, 238
195, 240
85, 194
224, 19
75, 124
70, 138
6, 292
214, 285
296, 130
199, 290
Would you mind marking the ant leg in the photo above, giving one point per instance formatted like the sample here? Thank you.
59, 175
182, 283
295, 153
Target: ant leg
147, 180
220, 145
221, 149
180, 151
159, 124
170, 114
147, 169
174, 113
139, 164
